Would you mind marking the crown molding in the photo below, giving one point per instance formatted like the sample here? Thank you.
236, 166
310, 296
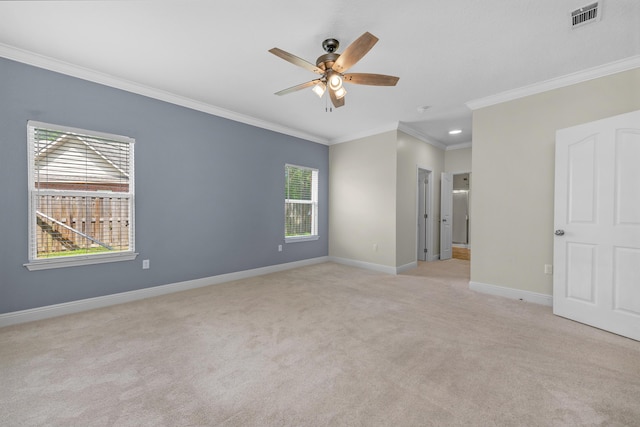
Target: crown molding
459, 146
62, 67
558, 82
419, 135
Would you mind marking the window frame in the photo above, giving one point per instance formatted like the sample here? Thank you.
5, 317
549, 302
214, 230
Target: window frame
35, 263
314, 202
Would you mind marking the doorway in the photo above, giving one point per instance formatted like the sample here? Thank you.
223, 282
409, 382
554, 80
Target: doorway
460, 216
424, 216
460, 233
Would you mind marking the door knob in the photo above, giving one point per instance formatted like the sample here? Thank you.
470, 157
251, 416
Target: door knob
559, 233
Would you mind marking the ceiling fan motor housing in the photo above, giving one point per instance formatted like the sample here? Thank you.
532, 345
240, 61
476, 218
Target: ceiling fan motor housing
325, 62
330, 45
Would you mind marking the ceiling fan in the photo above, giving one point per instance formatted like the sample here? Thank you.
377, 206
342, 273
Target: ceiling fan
331, 66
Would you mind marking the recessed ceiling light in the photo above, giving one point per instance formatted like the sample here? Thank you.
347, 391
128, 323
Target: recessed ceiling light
423, 108
455, 132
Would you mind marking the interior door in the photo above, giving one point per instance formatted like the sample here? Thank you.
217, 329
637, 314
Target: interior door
446, 217
597, 221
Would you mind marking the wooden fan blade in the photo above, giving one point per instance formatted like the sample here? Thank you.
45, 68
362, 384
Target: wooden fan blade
371, 79
298, 87
354, 52
336, 102
295, 60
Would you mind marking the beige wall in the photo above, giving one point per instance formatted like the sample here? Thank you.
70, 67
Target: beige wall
413, 153
457, 160
513, 174
362, 199
373, 186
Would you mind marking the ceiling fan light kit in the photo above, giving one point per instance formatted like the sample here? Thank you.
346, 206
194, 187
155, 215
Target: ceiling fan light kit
319, 89
335, 80
332, 66
341, 92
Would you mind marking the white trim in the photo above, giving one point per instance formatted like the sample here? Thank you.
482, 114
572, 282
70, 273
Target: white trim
313, 202
74, 261
512, 293
296, 239
429, 213
419, 135
558, 82
459, 146
365, 265
124, 297
72, 70
407, 267
51, 64
460, 173
434, 257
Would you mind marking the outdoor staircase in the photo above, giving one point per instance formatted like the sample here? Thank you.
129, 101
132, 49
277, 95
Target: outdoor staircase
56, 235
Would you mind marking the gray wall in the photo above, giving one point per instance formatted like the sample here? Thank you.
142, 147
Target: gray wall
209, 191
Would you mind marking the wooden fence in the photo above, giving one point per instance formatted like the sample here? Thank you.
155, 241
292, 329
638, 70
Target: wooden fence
70, 223
298, 218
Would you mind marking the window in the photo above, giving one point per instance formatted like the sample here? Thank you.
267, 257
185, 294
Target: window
301, 203
81, 204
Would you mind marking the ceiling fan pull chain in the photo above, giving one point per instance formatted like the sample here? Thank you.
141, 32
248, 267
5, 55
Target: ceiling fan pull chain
327, 108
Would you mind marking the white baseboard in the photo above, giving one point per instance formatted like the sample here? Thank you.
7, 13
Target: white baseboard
366, 265
406, 267
512, 293
49, 311
374, 267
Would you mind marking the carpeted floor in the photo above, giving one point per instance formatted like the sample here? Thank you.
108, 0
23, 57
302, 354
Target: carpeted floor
324, 345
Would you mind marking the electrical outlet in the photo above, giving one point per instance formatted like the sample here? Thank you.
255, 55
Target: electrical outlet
375, 247
548, 269
145, 264
279, 248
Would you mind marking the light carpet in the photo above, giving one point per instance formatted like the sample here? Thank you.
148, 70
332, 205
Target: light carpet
323, 345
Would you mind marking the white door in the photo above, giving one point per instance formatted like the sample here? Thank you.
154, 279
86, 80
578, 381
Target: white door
446, 217
596, 249
423, 214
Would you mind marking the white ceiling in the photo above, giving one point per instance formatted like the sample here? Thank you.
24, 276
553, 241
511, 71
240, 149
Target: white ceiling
446, 53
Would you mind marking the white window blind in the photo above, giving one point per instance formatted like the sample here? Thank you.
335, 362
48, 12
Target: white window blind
81, 186
301, 203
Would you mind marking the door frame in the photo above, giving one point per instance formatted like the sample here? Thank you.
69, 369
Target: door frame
429, 208
446, 215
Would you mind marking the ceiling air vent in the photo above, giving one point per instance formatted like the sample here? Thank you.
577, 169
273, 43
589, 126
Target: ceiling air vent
585, 15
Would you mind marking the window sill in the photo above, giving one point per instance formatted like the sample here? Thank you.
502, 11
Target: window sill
300, 239
45, 264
